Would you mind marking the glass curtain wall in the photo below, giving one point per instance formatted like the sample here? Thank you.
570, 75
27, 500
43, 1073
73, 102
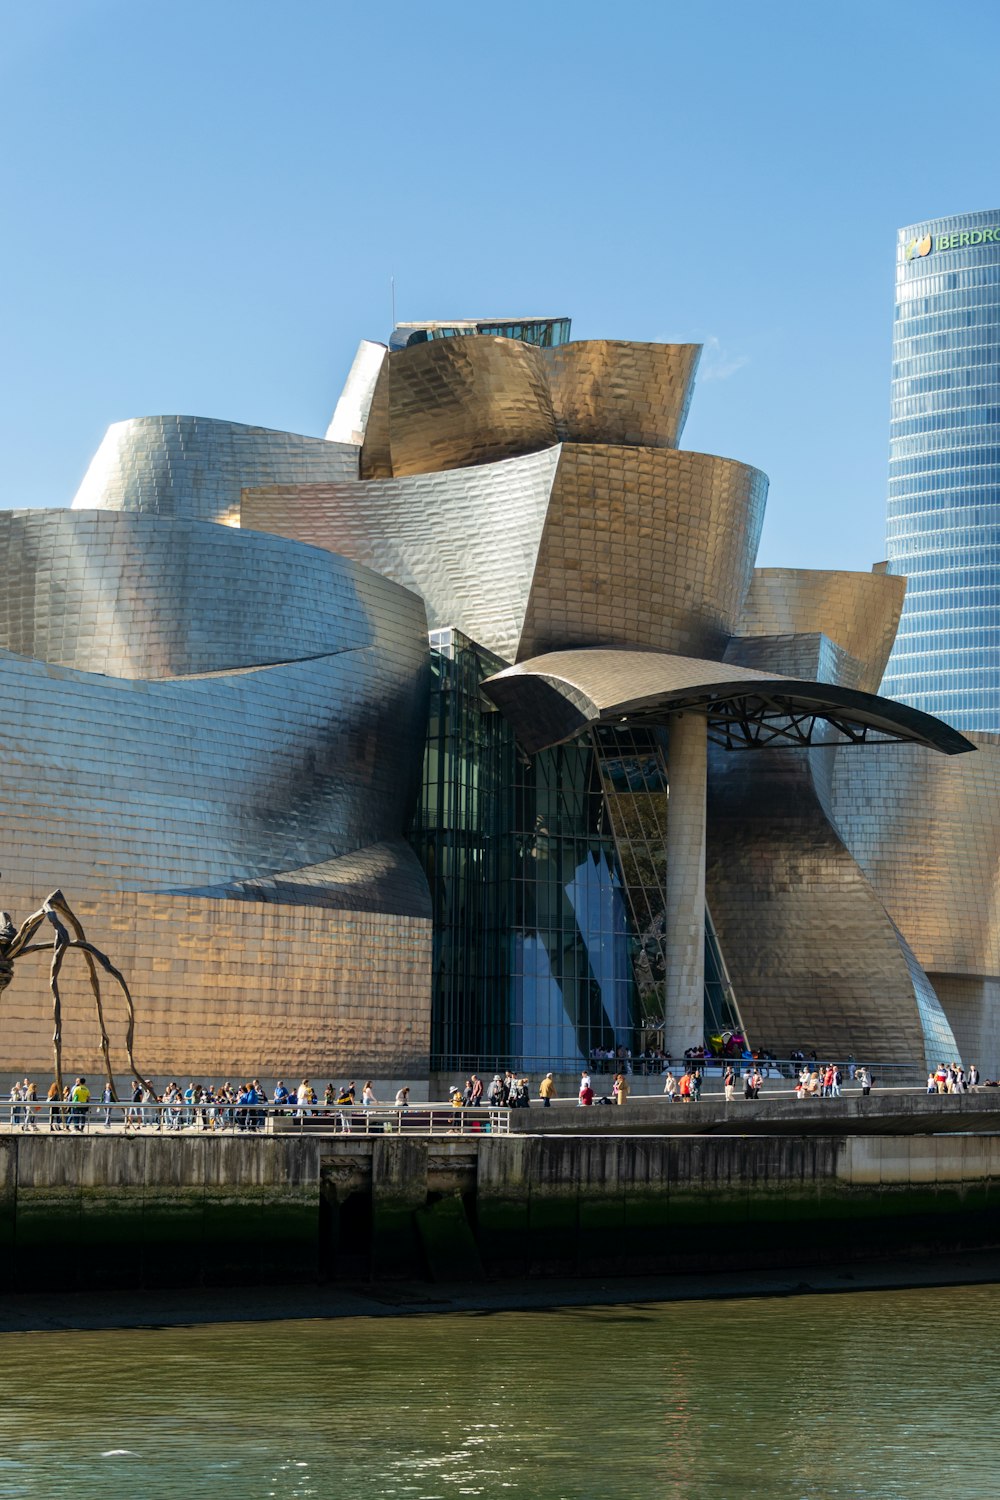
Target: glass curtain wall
532, 938
634, 775
573, 989
943, 528
547, 877
461, 834
547, 333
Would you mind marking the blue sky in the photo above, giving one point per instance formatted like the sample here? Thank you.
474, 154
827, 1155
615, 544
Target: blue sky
203, 204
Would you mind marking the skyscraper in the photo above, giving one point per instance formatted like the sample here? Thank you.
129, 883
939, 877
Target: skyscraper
943, 529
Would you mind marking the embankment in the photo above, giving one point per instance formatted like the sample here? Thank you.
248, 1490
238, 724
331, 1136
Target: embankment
112, 1212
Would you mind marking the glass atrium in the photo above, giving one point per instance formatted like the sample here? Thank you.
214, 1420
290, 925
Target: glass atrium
547, 880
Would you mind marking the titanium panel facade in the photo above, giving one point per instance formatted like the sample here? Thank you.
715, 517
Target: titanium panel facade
466, 541
227, 988
456, 402
196, 466
212, 737
350, 417
583, 544
144, 596
943, 527
644, 547
775, 814
859, 612
217, 765
375, 461
612, 391
925, 830
815, 960
806, 656
188, 782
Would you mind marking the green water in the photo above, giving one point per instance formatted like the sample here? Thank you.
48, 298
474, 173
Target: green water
861, 1395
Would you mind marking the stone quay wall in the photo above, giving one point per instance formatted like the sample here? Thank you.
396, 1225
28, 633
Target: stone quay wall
110, 1212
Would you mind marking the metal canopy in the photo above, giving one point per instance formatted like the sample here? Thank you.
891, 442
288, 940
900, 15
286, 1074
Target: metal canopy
552, 698
762, 721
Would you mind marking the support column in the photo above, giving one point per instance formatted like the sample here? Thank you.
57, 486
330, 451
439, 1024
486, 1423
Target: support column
684, 940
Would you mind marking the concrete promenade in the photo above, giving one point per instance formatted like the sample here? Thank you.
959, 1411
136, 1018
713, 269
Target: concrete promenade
883, 1112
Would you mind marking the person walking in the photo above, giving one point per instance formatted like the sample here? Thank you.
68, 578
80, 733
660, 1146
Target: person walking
670, 1086
79, 1098
546, 1090
368, 1095
134, 1115
55, 1113
729, 1083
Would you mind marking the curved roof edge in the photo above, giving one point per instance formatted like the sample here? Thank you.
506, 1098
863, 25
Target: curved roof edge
552, 698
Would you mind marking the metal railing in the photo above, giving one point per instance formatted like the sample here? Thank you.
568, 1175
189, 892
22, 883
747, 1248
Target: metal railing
463, 1066
219, 1117
377, 1119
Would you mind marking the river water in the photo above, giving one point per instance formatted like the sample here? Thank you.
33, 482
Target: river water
881, 1394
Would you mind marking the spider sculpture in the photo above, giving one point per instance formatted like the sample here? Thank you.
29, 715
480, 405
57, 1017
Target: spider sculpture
17, 942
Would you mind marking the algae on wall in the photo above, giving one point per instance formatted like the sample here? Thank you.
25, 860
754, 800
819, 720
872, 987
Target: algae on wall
117, 1211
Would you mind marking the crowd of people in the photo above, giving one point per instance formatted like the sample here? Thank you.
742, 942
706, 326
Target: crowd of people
67, 1106
226, 1106
824, 1081
952, 1078
244, 1107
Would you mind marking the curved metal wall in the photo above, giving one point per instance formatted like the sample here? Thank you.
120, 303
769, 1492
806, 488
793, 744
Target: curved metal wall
217, 765
614, 391
233, 989
925, 830
859, 612
457, 402
636, 546
189, 782
196, 466
134, 595
350, 416
644, 547
814, 957
466, 541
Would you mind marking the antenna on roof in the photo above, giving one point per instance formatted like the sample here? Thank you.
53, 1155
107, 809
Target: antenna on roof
392, 293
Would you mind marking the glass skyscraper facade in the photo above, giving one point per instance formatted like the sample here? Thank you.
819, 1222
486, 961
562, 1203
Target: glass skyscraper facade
943, 528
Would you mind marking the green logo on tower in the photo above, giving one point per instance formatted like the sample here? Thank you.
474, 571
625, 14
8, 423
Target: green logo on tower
961, 239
